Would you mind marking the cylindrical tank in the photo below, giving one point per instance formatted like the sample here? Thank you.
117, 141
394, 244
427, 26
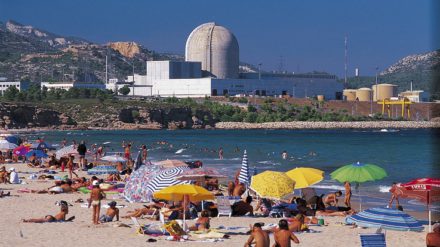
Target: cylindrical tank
384, 91
363, 94
320, 98
216, 48
349, 94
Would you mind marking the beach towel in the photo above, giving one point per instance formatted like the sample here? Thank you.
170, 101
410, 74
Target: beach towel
209, 234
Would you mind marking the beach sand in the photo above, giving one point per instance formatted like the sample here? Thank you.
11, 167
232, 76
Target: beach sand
81, 232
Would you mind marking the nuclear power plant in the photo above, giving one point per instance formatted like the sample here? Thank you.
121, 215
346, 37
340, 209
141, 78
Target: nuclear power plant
211, 68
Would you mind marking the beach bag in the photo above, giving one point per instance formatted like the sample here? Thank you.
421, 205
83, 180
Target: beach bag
174, 229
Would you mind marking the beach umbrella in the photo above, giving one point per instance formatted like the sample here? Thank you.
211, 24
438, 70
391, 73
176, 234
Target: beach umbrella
41, 146
135, 189
305, 176
385, 218
66, 151
184, 192
272, 185
200, 174
426, 190
113, 158
20, 150
166, 178
38, 154
13, 139
171, 163
358, 173
4, 144
243, 177
102, 169
138, 162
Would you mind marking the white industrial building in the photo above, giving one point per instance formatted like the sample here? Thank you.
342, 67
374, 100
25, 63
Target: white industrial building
21, 86
211, 69
69, 85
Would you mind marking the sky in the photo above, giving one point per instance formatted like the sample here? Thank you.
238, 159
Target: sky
296, 36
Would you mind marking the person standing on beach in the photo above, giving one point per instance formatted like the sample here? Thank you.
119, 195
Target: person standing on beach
70, 166
82, 149
220, 153
258, 237
347, 198
283, 235
144, 153
96, 195
394, 195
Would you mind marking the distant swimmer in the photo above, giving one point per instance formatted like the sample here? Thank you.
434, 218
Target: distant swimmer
311, 153
220, 153
284, 154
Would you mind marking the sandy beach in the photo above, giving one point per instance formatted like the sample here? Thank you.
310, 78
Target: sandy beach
81, 231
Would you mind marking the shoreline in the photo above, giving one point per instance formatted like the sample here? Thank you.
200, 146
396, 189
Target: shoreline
295, 125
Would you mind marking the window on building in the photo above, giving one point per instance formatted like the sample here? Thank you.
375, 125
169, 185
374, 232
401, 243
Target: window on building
225, 91
214, 92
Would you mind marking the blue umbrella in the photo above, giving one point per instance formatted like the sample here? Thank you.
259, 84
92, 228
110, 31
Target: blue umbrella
38, 154
385, 218
243, 177
41, 146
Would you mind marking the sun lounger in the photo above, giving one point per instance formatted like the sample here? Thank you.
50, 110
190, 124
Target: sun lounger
223, 206
373, 240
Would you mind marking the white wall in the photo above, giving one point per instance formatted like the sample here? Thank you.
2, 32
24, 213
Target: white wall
182, 87
6, 84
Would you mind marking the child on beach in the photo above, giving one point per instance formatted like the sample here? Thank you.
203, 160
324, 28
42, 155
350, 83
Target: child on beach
347, 198
112, 211
96, 195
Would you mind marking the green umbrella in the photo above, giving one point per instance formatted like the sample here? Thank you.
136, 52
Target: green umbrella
358, 173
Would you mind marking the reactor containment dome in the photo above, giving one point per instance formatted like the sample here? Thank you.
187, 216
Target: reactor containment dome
216, 48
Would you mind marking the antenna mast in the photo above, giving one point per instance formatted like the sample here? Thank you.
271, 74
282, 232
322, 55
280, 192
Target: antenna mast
346, 61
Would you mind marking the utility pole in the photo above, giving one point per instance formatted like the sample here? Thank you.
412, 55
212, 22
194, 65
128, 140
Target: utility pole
375, 91
133, 77
259, 71
346, 61
106, 70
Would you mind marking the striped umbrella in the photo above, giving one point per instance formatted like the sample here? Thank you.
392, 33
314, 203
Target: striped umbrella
385, 218
102, 169
4, 144
136, 187
166, 178
66, 151
243, 177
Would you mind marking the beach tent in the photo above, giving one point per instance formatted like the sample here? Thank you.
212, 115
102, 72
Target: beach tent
4, 145
136, 187
359, 173
102, 170
426, 190
113, 158
385, 218
38, 154
272, 185
305, 176
166, 178
243, 177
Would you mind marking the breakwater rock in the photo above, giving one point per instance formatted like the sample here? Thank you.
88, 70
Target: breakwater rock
331, 125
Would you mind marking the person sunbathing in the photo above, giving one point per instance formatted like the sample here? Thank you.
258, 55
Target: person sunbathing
3, 194
79, 182
60, 217
297, 223
334, 213
202, 223
243, 207
110, 214
283, 235
147, 210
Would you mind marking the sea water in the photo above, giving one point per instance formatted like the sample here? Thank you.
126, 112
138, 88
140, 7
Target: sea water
404, 154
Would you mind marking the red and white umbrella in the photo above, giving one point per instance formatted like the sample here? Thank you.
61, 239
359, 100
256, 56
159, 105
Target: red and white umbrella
426, 190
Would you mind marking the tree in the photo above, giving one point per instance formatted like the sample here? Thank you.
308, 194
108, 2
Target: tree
10, 93
125, 90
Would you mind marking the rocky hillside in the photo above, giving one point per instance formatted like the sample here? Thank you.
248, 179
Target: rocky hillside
29, 53
417, 62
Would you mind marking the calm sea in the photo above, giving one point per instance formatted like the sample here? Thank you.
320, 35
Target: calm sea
404, 154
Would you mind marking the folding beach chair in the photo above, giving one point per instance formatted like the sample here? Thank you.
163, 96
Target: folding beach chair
138, 226
150, 216
223, 206
373, 240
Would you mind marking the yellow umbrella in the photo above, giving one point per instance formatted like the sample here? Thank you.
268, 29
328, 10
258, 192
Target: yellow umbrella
178, 192
272, 185
305, 176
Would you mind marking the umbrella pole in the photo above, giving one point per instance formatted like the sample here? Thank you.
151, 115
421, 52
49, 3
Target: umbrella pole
184, 213
360, 198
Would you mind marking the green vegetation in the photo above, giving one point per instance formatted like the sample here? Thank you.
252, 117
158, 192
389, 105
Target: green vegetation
125, 90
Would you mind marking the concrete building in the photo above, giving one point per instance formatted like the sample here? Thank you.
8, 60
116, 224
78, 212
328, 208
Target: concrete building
216, 48
69, 85
415, 96
21, 86
211, 69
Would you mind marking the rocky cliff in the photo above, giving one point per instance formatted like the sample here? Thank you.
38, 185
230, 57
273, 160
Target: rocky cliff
126, 49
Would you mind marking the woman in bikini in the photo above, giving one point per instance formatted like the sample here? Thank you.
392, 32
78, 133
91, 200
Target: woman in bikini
96, 195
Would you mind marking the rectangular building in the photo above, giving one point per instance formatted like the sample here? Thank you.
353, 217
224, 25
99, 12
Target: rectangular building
20, 85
